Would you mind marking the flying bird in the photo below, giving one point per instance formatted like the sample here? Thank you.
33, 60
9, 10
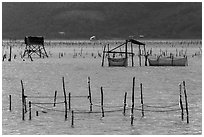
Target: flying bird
92, 37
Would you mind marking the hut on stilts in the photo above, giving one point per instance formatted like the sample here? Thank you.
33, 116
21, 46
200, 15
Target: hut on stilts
34, 45
122, 61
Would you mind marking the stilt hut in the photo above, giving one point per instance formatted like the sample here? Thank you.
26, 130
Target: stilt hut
122, 60
34, 45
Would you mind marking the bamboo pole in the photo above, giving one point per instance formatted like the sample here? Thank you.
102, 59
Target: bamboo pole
184, 86
145, 49
23, 113
55, 98
119, 52
25, 106
10, 54
103, 56
9, 102
102, 110
36, 113
139, 56
118, 46
65, 98
124, 108
89, 86
72, 125
29, 54
142, 100
145, 55
181, 104
69, 101
39, 50
108, 50
4, 57
132, 109
29, 110
132, 55
146, 58
126, 55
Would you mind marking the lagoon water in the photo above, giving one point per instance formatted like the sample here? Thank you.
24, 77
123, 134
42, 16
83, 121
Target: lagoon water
43, 77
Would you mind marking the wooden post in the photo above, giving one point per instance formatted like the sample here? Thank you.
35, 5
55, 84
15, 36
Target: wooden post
103, 56
69, 101
126, 55
132, 54
9, 102
29, 54
55, 98
72, 119
181, 104
108, 50
65, 98
36, 113
184, 86
124, 108
145, 55
102, 110
25, 106
39, 50
139, 56
23, 99
4, 57
142, 100
132, 109
10, 54
89, 86
145, 49
29, 110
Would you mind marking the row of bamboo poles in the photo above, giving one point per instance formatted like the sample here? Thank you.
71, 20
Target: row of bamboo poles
67, 105
10, 44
